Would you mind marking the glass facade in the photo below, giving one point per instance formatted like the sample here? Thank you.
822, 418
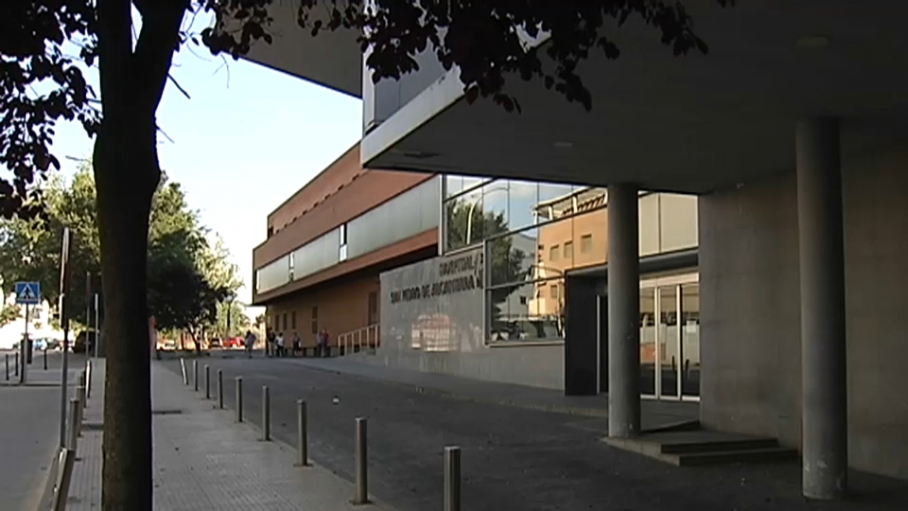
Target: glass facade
536, 232
406, 215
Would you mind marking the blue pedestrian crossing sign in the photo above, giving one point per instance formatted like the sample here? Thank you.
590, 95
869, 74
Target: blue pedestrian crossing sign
28, 293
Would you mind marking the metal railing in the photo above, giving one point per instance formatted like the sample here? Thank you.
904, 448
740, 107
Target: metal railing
359, 339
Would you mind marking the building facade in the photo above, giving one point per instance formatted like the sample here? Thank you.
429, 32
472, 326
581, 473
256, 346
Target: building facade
792, 134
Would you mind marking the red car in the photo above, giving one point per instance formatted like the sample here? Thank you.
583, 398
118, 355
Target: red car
232, 342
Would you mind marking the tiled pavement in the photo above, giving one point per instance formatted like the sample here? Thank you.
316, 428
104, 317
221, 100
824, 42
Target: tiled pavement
205, 461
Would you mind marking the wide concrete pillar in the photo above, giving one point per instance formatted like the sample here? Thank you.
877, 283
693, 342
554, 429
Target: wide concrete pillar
623, 312
823, 351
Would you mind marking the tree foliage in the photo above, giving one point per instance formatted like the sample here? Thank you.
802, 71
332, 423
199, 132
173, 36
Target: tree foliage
187, 276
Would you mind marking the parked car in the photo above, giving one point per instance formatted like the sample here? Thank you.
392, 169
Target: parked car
214, 342
232, 342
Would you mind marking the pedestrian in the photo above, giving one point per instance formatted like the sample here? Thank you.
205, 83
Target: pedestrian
297, 344
320, 343
280, 345
250, 343
326, 342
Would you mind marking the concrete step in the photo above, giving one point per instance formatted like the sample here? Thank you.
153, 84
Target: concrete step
760, 455
709, 446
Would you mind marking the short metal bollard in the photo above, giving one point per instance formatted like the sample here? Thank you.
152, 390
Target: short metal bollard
362, 477
6, 364
452, 478
183, 371
74, 422
266, 414
45, 359
239, 398
207, 382
195, 375
17, 364
220, 389
87, 381
302, 434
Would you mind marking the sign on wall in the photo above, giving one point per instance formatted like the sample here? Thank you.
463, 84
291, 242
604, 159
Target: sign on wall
435, 305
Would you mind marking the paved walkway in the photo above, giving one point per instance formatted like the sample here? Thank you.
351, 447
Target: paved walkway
205, 461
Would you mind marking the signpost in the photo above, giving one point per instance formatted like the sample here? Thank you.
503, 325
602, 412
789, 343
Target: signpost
27, 294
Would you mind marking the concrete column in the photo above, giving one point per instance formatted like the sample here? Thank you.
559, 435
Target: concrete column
823, 350
623, 312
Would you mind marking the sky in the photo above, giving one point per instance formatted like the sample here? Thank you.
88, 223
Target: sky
245, 139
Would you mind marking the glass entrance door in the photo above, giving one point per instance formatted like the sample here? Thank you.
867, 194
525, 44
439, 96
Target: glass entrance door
670, 338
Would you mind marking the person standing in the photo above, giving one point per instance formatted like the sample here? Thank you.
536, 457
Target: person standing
297, 343
250, 343
280, 344
320, 343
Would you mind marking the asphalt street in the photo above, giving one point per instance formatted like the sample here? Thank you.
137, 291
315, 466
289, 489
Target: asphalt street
513, 459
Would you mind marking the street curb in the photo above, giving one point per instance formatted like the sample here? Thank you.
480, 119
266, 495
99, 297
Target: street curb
47, 493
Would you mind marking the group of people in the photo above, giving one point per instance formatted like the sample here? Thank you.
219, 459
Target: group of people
279, 348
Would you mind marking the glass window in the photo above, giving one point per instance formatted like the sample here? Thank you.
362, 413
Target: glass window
586, 243
522, 199
293, 320
495, 208
554, 201
524, 313
690, 339
568, 250
315, 319
343, 234
512, 258
455, 185
553, 253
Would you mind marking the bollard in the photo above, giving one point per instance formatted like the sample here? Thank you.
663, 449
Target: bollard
183, 371
362, 483
45, 359
302, 441
266, 414
220, 389
195, 375
87, 381
17, 363
207, 382
452, 478
239, 398
83, 386
6, 364
74, 423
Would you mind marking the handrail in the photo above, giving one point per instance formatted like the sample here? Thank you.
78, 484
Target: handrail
356, 340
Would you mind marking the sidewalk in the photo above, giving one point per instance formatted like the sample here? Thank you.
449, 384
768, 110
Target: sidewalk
656, 414
205, 461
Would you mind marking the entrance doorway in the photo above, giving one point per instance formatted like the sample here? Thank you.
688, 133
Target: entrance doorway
670, 338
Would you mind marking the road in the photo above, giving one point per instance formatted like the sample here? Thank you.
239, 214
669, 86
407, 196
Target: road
29, 432
513, 459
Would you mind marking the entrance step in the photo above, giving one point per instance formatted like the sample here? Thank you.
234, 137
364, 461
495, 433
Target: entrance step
687, 448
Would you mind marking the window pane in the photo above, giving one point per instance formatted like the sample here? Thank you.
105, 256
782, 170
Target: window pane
586, 243
522, 198
569, 250
553, 253
690, 339
465, 220
495, 207
457, 184
511, 258
555, 201
526, 312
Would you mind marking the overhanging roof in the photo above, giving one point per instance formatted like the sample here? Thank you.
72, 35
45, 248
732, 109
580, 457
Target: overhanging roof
331, 59
685, 124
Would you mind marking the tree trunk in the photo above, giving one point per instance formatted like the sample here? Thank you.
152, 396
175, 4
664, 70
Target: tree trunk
126, 173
